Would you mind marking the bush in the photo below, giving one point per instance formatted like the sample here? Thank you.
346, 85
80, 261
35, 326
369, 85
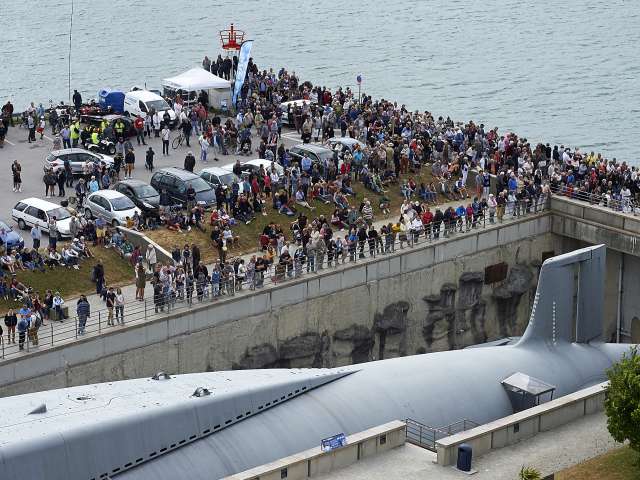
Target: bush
622, 401
529, 473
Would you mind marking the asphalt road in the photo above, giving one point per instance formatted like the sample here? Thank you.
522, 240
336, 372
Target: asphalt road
31, 156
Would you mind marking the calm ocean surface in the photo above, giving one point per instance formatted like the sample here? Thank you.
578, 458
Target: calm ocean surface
565, 72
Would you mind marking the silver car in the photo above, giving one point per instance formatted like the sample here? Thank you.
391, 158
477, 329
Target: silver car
110, 205
77, 158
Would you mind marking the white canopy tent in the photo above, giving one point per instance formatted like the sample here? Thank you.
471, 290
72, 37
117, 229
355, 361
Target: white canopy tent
190, 83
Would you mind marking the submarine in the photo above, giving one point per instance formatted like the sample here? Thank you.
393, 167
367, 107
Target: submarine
211, 425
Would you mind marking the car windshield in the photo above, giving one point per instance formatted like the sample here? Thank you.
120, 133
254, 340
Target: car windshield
324, 154
228, 179
60, 213
157, 105
198, 184
145, 191
51, 158
121, 203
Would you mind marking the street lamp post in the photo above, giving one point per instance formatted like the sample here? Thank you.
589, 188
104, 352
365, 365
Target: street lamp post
359, 80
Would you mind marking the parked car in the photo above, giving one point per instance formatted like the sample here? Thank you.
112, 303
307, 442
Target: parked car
33, 210
316, 153
176, 181
253, 166
112, 206
215, 176
341, 144
284, 107
77, 158
139, 103
143, 195
10, 239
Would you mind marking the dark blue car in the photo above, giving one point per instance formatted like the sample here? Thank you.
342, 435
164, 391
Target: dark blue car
9, 238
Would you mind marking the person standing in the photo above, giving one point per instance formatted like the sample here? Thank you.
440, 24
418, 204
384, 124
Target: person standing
65, 133
151, 258
98, 274
195, 256
10, 321
139, 126
141, 281
36, 235
58, 302
77, 100
53, 232
129, 161
119, 306
23, 325
16, 170
189, 162
111, 304
166, 133
83, 311
31, 124
149, 159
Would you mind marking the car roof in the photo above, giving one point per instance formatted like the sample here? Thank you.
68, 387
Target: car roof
313, 148
300, 101
144, 95
345, 140
217, 170
179, 172
64, 151
108, 194
132, 182
40, 203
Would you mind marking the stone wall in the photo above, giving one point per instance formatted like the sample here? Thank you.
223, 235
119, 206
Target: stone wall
428, 298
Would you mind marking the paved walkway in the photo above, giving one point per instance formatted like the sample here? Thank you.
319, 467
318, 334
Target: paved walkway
56, 333
549, 452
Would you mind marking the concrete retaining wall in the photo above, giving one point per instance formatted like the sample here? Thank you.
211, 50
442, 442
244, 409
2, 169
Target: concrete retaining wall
520, 426
389, 306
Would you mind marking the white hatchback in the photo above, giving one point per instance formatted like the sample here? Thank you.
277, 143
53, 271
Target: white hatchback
32, 211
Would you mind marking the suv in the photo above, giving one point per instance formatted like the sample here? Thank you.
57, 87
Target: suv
316, 153
176, 180
77, 158
215, 176
30, 211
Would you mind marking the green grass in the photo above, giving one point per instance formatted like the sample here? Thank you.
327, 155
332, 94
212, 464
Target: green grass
619, 464
70, 282
249, 234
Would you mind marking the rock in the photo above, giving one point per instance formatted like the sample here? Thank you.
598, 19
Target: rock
393, 318
260, 356
305, 345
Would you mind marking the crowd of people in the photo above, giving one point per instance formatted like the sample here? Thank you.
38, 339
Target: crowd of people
485, 175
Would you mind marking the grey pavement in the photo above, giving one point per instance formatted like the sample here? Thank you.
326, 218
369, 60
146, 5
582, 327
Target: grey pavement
549, 452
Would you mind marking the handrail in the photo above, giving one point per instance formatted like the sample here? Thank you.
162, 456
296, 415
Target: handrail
624, 206
137, 312
426, 436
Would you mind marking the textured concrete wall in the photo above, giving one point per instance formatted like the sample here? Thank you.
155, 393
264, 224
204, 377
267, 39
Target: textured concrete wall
428, 298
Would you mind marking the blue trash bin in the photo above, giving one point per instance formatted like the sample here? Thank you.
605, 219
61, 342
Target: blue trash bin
464, 457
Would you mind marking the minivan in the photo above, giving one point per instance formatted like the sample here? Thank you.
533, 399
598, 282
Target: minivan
139, 103
33, 210
175, 182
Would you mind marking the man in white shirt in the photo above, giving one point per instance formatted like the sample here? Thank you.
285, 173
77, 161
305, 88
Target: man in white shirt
165, 134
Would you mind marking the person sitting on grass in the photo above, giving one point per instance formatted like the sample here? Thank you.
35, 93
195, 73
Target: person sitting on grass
55, 259
301, 200
8, 262
242, 210
17, 289
70, 257
228, 236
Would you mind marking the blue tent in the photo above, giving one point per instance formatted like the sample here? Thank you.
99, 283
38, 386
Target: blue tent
111, 98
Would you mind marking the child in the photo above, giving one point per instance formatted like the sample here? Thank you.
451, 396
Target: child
41, 126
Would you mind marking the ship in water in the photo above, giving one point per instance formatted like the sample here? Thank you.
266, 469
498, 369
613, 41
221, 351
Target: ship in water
210, 425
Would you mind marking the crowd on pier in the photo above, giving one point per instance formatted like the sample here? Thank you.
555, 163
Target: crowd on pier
447, 177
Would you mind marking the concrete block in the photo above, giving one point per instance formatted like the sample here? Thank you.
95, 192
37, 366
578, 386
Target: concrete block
339, 458
508, 234
368, 448
331, 283
356, 275
157, 331
499, 438
563, 205
288, 295
395, 263
606, 218
525, 429
632, 224
487, 239
594, 404
561, 416
313, 287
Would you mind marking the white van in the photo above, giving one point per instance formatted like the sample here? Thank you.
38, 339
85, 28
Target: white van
30, 211
138, 103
